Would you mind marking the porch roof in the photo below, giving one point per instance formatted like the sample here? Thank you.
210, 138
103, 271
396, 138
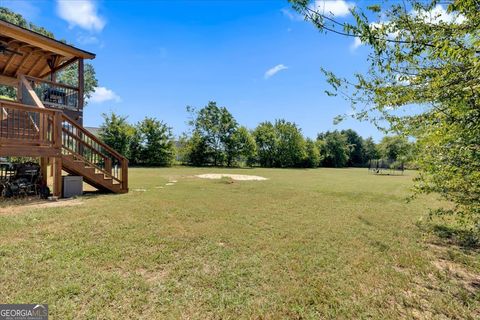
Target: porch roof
33, 54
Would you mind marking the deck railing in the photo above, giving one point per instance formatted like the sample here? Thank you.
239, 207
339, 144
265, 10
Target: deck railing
86, 147
22, 127
26, 126
51, 94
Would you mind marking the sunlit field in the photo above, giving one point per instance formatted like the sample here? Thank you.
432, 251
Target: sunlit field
304, 244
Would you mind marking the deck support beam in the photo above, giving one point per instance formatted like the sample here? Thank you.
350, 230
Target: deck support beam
57, 177
44, 169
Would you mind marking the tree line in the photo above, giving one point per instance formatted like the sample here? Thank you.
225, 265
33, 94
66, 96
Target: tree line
216, 139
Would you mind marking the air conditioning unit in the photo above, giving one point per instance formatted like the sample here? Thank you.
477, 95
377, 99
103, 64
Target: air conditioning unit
72, 186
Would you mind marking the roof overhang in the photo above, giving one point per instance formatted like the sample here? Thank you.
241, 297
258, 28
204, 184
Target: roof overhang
38, 54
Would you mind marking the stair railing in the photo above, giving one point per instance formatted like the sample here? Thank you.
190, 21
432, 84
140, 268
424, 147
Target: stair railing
84, 146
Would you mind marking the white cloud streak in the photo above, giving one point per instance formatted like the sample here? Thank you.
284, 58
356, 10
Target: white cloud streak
102, 94
435, 16
356, 44
274, 70
81, 13
292, 15
337, 8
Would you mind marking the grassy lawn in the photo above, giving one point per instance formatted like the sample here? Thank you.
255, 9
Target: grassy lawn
310, 244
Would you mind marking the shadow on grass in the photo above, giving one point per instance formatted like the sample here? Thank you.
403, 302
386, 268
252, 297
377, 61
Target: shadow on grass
464, 238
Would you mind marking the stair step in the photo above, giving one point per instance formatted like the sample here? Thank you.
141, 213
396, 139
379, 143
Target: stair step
91, 174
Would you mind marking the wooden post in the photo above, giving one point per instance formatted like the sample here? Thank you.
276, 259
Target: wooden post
57, 130
81, 89
108, 165
57, 177
19, 90
81, 84
44, 169
50, 161
57, 161
52, 62
125, 174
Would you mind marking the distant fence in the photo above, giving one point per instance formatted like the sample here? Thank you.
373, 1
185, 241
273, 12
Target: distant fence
382, 166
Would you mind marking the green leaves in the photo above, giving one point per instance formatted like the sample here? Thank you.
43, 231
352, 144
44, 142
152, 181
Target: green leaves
149, 142
424, 81
214, 128
117, 133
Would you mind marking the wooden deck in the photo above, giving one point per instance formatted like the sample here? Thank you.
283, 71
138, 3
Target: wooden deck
27, 131
46, 121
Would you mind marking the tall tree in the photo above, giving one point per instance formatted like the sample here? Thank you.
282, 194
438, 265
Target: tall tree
116, 132
267, 143
246, 148
312, 154
427, 60
394, 148
335, 149
156, 143
193, 150
355, 142
216, 126
69, 76
370, 150
290, 151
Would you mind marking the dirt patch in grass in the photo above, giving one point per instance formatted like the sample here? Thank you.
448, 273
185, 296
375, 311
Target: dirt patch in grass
465, 278
237, 177
16, 209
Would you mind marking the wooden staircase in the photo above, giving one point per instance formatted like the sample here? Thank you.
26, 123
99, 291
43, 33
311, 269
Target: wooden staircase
85, 155
90, 175
42, 132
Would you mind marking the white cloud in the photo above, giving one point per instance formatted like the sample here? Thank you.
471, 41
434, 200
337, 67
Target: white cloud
102, 94
87, 39
374, 26
437, 15
82, 13
338, 8
292, 15
272, 71
356, 43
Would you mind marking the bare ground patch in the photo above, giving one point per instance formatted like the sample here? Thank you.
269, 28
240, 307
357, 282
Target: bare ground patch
237, 177
16, 209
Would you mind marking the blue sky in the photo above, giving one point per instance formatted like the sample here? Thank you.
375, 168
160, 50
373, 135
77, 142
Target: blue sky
254, 57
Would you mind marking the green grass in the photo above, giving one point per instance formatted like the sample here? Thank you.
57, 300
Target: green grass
310, 244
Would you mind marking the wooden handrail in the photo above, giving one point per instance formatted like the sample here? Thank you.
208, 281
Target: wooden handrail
50, 93
23, 107
93, 137
37, 128
77, 138
56, 84
76, 155
78, 134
